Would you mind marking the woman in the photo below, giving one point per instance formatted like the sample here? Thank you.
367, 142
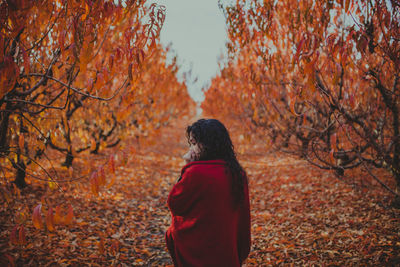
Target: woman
210, 202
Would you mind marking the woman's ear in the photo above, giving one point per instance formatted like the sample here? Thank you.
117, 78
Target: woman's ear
199, 151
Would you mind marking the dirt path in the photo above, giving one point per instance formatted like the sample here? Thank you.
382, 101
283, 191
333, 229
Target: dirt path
300, 215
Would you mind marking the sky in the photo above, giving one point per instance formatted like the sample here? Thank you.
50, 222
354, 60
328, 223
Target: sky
196, 30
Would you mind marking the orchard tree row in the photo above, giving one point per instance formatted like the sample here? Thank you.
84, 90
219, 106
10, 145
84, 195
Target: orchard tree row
318, 78
78, 77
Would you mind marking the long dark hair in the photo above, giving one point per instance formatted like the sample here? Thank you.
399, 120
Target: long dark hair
216, 143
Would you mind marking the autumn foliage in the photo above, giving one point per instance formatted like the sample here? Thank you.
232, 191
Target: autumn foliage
316, 78
93, 117
77, 78
80, 76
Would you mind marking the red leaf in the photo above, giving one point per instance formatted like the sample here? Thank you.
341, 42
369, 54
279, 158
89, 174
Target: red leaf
50, 220
362, 44
10, 260
298, 50
61, 39
111, 61
37, 217
13, 236
26, 60
130, 72
114, 247
21, 235
101, 176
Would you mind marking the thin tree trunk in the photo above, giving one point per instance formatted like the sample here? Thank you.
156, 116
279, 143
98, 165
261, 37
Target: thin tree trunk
20, 174
68, 159
4, 118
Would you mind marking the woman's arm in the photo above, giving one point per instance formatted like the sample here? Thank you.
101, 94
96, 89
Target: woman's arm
185, 193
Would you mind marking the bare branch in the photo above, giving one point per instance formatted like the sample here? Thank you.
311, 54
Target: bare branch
42, 80
79, 91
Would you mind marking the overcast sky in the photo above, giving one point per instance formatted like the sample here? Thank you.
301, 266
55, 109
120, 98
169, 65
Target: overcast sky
196, 30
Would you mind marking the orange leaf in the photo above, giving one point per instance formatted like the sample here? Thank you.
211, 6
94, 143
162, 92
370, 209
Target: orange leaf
346, 5
333, 141
70, 215
331, 156
37, 217
111, 164
114, 247
94, 183
132, 150
57, 216
50, 220
92, 144
101, 246
112, 181
87, 11
21, 141
292, 103
124, 158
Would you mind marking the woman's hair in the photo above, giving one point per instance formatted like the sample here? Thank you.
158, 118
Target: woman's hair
215, 143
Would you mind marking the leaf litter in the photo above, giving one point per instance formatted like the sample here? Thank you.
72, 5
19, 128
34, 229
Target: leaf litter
301, 215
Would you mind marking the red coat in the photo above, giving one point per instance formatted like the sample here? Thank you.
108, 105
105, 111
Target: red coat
207, 228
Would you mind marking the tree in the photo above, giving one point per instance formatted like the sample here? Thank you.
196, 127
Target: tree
319, 76
57, 55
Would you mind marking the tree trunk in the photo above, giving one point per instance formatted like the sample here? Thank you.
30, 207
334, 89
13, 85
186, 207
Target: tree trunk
68, 159
4, 117
396, 201
285, 142
96, 149
304, 148
396, 155
20, 175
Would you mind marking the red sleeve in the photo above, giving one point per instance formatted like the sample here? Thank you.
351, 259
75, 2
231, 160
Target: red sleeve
244, 236
185, 193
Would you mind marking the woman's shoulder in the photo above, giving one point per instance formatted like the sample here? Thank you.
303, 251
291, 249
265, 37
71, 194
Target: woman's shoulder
203, 166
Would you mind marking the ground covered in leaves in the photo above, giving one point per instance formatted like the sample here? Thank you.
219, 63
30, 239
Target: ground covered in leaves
300, 214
